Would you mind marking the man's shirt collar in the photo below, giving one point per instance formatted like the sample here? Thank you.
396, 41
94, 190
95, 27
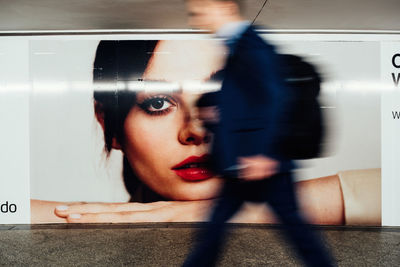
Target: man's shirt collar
232, 30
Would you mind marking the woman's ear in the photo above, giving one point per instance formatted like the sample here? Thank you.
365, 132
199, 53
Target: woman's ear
99, 113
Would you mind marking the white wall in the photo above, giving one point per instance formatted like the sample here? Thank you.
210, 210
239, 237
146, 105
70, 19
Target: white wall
14, 132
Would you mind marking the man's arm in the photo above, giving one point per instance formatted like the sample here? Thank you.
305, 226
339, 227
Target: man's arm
262, 65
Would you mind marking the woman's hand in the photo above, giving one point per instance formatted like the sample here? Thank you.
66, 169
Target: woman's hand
320, 199
162, 211
43, 212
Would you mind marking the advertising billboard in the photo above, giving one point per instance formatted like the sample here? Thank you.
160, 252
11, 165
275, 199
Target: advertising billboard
104, 129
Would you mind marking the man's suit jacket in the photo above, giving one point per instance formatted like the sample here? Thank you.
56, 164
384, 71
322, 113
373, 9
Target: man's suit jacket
251, 102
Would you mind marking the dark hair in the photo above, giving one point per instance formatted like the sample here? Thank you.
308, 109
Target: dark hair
116, 62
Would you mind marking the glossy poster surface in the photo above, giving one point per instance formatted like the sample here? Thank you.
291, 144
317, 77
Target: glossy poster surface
113, 135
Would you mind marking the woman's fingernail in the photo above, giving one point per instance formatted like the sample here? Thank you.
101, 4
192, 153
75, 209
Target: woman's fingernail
62, 208
75, 216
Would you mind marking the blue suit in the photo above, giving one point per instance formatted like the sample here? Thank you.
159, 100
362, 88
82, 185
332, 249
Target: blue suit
251, 102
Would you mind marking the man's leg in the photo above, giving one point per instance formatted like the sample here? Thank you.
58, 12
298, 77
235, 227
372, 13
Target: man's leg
308, 243
205, 252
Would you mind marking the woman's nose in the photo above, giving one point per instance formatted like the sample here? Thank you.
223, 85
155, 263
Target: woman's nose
193, 133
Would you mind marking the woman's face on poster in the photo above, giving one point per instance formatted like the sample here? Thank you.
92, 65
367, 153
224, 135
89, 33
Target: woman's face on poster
165, 142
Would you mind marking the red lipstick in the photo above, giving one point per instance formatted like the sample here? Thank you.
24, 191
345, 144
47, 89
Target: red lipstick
194, 168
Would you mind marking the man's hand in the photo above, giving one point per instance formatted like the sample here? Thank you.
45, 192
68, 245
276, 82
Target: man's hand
257, 167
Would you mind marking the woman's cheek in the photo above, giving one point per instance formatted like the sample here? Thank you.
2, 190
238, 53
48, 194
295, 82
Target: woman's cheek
155, 136
149, 143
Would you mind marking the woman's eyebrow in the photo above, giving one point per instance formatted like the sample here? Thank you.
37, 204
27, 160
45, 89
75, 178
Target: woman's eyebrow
195, 86
151, 85
202, 86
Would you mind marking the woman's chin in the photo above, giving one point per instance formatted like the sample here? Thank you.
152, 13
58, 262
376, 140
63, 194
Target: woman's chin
196, 190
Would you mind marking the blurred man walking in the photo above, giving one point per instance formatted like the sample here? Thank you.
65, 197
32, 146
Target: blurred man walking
250, 107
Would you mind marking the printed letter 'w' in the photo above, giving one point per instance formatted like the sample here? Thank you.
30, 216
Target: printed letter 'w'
396, 80
396, 115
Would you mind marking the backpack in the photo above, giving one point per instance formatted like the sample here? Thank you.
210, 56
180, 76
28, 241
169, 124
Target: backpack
304, 133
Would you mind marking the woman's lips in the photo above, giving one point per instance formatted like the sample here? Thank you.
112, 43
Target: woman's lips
194, 168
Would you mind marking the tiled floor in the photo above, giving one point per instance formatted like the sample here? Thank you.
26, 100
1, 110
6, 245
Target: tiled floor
168, 244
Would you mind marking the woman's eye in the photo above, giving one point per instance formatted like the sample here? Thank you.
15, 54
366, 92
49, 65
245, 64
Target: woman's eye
158, 104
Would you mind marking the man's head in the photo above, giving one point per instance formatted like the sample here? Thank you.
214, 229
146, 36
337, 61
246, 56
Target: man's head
212, 14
